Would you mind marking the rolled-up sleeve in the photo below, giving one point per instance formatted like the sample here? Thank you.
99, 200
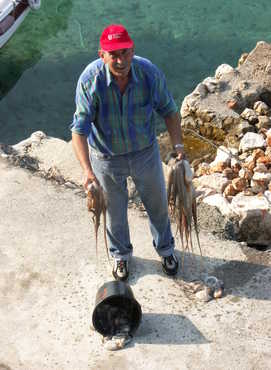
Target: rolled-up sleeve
164, 103
85, 110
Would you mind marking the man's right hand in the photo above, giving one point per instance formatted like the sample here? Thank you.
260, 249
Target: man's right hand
89, 178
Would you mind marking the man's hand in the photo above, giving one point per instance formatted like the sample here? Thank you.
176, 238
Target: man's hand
180, 154
89, 178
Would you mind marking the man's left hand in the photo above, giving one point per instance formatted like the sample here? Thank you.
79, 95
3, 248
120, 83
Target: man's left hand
180, 153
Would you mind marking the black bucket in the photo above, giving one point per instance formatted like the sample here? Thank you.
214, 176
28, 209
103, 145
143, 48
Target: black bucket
116, 309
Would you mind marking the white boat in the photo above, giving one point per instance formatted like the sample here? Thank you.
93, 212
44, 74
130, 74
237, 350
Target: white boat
12, 13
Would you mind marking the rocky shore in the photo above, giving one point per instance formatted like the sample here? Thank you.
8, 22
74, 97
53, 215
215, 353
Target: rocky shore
233, 110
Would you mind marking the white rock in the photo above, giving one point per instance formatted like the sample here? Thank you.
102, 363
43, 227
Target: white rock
242, 203
261, 176
210, 80
261, 108
222, 70
203, 192
210, 84
250, 141
234, 151
38, 135
216, 181
217, 200
249, 115
35, 139
223, 154
200, 90
254, 216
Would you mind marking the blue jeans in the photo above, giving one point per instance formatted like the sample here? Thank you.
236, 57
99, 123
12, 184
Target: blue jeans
145, 168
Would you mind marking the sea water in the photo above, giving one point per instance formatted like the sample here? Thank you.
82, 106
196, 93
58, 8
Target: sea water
40, 65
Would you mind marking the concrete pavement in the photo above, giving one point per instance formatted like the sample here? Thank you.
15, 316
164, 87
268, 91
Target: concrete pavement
49, 278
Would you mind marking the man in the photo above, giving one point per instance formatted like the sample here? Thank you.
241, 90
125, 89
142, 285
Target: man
113, 135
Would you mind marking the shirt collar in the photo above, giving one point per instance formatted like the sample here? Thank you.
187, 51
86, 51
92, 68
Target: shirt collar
109, 77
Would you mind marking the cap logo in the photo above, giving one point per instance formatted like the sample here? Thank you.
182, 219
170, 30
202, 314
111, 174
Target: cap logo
114, 36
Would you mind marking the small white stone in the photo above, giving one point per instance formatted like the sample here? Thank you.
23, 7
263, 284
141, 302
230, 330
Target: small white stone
222, 70
250, 141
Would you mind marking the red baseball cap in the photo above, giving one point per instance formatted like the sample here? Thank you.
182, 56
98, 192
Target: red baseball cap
115, 37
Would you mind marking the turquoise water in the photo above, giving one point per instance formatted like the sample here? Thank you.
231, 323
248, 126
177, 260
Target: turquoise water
40, 65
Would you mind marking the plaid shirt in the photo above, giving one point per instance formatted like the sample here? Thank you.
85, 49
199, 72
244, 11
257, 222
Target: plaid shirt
118, 124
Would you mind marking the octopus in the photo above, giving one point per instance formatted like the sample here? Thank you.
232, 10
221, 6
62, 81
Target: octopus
96, 204
182, 202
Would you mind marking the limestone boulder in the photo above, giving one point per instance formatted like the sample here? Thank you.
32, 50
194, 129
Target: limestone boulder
217, 200
254, 217
251, 141
215, 181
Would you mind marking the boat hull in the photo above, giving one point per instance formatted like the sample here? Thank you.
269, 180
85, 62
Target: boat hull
7, 35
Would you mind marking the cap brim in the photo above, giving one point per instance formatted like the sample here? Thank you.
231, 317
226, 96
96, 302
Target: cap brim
117, 46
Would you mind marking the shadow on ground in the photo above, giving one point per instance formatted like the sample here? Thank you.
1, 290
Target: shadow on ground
158, 328
241, 278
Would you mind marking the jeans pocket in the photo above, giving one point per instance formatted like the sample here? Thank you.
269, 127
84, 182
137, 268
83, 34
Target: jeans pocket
99, 155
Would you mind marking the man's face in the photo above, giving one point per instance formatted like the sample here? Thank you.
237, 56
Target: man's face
119, 61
